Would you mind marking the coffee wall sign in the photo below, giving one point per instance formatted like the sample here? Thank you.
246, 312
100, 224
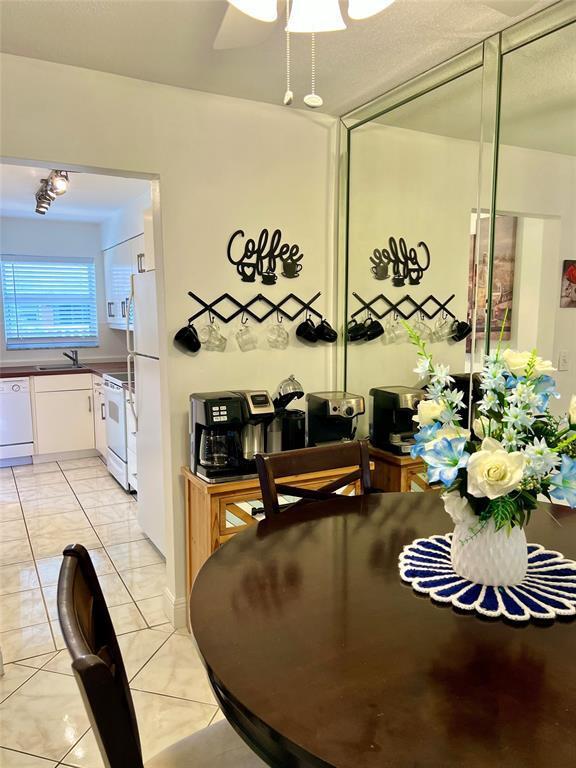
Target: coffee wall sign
261, 256
400, 262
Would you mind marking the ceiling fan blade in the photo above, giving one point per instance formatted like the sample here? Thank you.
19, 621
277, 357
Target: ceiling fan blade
238, 30
510, 7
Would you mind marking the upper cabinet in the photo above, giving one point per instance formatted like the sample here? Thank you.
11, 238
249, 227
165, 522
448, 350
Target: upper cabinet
120, 263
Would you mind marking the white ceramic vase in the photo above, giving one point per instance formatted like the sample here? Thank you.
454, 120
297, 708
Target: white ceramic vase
485, 555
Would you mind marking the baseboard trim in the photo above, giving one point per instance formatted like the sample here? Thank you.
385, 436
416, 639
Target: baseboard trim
43, 458
175, 610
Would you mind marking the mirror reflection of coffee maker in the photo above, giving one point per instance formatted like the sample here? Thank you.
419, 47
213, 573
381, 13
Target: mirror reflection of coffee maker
257, 412
332, 416
288, 430
392, 411
216, 422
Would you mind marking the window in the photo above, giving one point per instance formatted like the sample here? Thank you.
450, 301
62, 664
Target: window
49, 302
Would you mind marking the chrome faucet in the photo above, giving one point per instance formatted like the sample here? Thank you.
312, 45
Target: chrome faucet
72, 355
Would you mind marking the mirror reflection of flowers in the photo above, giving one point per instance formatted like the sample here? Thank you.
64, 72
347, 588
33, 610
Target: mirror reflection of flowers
517, 449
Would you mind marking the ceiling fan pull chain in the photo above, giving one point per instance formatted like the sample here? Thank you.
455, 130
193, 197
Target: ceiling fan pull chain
312, 100
288, 96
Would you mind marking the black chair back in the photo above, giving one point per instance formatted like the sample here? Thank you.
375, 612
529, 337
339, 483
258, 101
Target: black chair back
96, 660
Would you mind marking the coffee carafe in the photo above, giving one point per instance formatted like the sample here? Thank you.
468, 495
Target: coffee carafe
216, 422
288, 430
257, 413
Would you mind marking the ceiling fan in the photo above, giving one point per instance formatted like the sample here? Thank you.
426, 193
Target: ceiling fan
250, 22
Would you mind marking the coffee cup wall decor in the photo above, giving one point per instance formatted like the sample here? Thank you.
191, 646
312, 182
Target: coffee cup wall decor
259, 257
400, 262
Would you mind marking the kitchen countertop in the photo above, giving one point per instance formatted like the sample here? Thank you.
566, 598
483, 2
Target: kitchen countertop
99, 368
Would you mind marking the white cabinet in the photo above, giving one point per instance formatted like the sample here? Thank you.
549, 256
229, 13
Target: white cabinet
63, 413
120, 263
99, 416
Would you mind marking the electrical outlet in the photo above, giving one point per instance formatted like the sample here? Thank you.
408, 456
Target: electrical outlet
563, 361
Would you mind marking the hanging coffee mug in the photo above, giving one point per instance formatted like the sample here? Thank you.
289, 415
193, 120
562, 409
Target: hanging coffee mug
211, 337
278, 337
246, 339
187, 338
325, 332
460, 330
306, 331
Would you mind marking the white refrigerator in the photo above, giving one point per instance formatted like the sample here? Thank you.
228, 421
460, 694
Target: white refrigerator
144, 372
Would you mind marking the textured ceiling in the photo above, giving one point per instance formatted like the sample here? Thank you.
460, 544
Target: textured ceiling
171, 42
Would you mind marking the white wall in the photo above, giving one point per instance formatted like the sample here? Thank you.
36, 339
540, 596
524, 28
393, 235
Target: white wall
41, 237
222, 164
126, 223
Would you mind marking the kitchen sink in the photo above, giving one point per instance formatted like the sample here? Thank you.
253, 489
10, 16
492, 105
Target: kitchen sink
58, 367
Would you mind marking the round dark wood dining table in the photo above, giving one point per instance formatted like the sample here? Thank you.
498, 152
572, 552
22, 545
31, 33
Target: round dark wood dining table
321, 656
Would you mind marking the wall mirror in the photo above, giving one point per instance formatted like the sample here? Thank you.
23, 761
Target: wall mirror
533, 269
460, 198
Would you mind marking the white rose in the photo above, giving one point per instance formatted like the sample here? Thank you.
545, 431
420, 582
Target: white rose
481, 426
572, 410
516, 363
428, 412
494, 472
451, 432
459, 509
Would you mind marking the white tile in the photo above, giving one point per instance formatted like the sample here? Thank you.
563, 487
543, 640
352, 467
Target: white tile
126, 618
103, 498
37, 662
46, 545
24, 643
10, 759
176, 670
61, 663
153, 610
13, 529
9, 496
44, 507
148, 581
62, 523
16, 551
35, 469
14, 676
115, 593
119, 533
92, 461
166, 629
57, 635
91, 484
18, 577
45, 716
115, 513
10, 510
161, 721
49, 568
6, 472
39, 481
133, 554
7, 484
97, 470
22, 609
46, 492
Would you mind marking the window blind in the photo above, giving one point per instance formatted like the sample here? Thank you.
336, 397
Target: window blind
49, 302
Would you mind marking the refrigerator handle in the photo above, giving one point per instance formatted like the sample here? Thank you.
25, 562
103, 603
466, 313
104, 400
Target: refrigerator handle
129, 305
130, 360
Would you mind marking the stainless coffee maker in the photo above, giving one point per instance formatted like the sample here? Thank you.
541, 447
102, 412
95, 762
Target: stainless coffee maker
332, 416
257, 411
392, 411
288, 430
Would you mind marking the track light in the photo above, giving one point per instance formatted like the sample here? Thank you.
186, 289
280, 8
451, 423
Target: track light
50, 188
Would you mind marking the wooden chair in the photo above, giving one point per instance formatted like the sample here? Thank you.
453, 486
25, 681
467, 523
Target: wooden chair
99, 671
306, 461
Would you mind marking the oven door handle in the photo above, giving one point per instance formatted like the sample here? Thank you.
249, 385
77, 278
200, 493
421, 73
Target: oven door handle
130, 360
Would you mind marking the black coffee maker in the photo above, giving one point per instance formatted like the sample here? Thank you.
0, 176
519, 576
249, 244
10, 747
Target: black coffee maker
216, 423
392, 411
288, 430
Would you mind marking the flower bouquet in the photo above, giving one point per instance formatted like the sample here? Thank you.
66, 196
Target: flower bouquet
517, 449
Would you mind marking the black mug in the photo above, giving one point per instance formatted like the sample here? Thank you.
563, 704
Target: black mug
356, 331
325, 332
460, 330
307, 331
291, 269
187, 338
269, 278
373, 328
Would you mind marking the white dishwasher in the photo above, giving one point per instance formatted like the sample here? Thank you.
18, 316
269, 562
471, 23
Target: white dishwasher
16, 436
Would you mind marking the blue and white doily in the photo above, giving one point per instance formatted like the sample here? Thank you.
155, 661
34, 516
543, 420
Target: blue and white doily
548, 590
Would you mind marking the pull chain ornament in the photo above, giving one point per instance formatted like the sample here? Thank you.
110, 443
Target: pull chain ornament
288, 96
312, 99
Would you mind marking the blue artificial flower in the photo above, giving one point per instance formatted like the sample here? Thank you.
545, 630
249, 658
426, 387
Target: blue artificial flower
563, 482
423, 436
545, 388
444, 458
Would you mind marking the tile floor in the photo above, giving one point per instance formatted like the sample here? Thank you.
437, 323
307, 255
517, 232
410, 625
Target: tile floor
43, 723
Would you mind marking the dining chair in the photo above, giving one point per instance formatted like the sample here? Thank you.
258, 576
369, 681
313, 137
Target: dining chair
101, 676
306, 461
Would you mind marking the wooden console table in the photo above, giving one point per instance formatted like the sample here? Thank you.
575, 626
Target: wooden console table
397, 473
